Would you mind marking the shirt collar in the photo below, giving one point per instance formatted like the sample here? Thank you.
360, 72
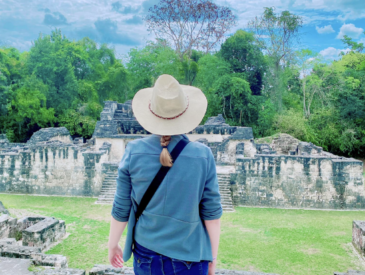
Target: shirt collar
174, 140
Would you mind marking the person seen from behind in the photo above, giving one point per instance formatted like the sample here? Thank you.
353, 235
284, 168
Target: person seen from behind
167, 188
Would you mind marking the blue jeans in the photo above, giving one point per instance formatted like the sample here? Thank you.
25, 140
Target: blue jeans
148, 262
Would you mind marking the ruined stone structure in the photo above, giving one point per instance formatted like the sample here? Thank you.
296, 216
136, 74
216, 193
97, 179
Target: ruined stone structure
278, 172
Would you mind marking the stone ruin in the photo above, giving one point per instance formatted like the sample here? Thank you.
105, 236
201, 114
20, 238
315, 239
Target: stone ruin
280, 171
27, 238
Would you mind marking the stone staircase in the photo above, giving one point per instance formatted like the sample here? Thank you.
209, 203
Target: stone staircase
108, 188
225, 191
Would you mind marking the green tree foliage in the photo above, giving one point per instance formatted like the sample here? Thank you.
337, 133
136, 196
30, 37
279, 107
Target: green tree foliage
147, 64
233, 98
246, 58
27, 109
354, 46
277, 35
58, 83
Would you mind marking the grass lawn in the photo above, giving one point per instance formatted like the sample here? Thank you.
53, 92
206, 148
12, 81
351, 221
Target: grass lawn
283, 241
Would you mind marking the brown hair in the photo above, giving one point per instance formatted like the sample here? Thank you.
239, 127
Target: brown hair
165, 157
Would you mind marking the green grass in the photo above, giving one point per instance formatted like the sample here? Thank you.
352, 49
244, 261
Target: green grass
283, 241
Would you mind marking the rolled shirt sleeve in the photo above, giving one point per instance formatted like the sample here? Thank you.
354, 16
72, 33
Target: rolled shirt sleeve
210, 205
122, 199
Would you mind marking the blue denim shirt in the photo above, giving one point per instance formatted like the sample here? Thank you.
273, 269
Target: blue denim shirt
172, 223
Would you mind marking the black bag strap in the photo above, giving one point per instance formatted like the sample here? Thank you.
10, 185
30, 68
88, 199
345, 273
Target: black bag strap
159, 178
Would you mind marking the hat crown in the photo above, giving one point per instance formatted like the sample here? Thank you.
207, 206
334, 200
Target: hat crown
168, 98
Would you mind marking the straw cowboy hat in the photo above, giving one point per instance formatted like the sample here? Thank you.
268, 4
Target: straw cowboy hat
169, 108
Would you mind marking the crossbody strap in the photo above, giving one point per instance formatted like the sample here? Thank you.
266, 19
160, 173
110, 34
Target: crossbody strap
159, 178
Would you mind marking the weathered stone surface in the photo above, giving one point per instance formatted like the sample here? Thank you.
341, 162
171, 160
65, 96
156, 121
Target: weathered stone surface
49, 134
53, 260
8, 226
350, 272
61, 271
10, 266
358, 236
23, 252
53, 168
7, 241
44, 233
308, 148
110, 270
3, 210
298, 181
26, 222
216, 120
34, 254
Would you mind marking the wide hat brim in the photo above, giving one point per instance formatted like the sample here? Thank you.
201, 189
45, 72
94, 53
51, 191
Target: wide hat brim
183, 124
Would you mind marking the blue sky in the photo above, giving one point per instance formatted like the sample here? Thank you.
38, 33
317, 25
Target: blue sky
120, 24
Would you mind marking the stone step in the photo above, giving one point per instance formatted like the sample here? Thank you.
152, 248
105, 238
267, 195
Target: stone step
226, 201
104, 202
108, 190
107, 194
109, 185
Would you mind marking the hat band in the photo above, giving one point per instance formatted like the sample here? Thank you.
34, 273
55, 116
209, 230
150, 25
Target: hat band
187, 106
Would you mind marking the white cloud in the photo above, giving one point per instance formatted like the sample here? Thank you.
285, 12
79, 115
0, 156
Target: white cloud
332, 53
349, 30
325, 29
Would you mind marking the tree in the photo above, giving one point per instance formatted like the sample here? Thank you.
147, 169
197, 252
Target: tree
245, 57
147, 64
27, 109
190, 24
211, 68
235, 101
310, 84
358, 47
276, 35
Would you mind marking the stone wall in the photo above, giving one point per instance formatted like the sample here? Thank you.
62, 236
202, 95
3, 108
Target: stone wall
298, 181
52, 167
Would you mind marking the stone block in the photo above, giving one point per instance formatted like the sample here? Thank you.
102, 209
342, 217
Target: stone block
3, 210
26, 222
52, 260
7, 241
7, 226
358, 236
16, 251
61, 271
44, 233
110, 270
